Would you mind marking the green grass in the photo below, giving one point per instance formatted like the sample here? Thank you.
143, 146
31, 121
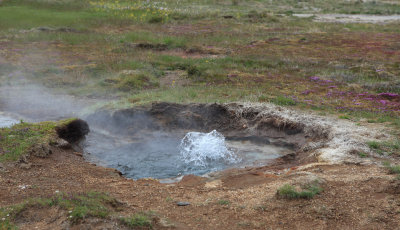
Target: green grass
346, 117
21, 138
393, 169
283, 101
363, 155
224, 202
64, 5
290, 192
191, 94
91, 204
138, 220
389, 147
79, 206
373, 144
24, 17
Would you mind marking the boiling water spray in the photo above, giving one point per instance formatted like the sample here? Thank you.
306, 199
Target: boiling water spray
203, 149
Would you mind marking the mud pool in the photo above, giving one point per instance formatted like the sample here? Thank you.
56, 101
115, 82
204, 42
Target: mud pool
170, 155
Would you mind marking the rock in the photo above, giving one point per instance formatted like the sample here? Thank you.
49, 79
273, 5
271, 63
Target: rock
393, 187
41, 150
25, 165
79, 154
74, 131
23, 159
166, 223
182, 203
191, 180
2, 168
63, 144
213, 184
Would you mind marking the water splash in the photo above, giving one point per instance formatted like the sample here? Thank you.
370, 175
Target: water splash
203, 149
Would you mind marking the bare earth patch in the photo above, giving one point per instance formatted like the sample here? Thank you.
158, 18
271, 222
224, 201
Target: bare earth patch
352, 18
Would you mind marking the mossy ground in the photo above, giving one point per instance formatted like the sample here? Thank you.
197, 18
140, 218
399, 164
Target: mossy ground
21, 138
77, 208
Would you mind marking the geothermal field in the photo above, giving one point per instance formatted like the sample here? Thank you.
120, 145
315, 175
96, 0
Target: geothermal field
199, 114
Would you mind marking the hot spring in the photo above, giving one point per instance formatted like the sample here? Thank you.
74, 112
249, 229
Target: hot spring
170, 155
168, 140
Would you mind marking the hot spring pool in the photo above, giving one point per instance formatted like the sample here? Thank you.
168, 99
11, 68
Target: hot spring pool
169, 155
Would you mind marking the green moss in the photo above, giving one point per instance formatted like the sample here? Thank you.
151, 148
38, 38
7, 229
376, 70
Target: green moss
80, 206
138, 220
135, 82
20, 138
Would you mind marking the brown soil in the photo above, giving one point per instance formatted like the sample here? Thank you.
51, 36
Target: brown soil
354, 196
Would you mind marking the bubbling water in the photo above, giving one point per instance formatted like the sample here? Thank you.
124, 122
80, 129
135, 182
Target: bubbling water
171, 155
203, 149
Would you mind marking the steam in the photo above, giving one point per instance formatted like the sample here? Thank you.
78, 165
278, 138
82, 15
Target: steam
23, 94
37, 103
6, 121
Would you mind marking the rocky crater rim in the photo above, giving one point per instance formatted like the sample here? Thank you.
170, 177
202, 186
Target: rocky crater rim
313, 138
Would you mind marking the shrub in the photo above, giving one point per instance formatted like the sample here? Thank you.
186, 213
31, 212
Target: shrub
289, 192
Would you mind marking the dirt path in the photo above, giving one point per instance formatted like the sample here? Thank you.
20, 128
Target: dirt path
354, 196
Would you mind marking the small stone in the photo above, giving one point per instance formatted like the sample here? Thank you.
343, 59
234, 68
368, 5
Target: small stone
182, 203
166, 223
63, 144
25, 165
41, 151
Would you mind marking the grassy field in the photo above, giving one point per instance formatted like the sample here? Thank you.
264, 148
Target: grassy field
209, 51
